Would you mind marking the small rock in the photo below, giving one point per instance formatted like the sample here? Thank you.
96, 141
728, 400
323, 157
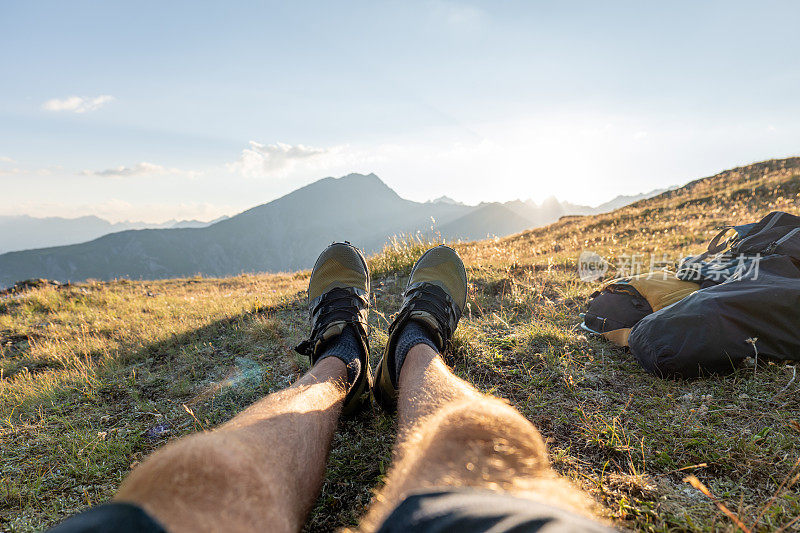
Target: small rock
158, 431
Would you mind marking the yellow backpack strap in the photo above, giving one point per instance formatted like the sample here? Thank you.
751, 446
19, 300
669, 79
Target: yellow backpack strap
618, 336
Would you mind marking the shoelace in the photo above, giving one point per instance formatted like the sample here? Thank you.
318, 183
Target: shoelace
434, 300
339, 304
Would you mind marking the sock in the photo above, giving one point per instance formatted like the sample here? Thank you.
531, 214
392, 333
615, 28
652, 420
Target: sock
346, 347
412, 334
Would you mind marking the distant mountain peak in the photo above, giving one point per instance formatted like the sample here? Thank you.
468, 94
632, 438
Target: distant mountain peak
369, 181
445, 200
358, 176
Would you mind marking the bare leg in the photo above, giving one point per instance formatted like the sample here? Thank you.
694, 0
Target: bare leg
260, 471
453, 436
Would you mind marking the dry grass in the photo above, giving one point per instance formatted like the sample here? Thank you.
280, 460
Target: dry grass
399, 255
95, 376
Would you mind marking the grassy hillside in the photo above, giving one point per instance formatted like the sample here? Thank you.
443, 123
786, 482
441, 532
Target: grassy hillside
97, 375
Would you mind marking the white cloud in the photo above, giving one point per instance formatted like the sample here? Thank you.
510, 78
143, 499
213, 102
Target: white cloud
139, 169
8, 171
280, 160
41, 171
457, 15
121, 171
77, 104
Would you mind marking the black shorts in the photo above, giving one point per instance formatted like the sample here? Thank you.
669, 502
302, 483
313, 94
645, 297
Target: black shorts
462, 511
470, 510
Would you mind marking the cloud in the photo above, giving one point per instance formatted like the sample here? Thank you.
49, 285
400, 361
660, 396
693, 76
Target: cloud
122, 172
77, 104
140, 169
280, 159
4, 159
41, 171
458, 16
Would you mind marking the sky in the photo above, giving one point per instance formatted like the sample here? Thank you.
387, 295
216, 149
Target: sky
155, 110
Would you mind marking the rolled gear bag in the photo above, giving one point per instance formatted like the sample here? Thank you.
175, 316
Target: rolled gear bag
754, 312
621, 303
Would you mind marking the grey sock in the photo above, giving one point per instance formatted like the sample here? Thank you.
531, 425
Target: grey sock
346, 347
413, 333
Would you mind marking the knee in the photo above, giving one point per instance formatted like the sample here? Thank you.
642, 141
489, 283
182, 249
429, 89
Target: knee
207, 481
190, 465
204, 452
492, 432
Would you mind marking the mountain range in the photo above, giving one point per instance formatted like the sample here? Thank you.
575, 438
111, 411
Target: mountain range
285, 234
23, 232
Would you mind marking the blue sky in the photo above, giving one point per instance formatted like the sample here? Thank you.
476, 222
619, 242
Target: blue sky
154, 110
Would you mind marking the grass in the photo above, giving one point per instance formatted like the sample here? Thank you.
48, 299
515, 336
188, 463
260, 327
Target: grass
97, 375
399, 255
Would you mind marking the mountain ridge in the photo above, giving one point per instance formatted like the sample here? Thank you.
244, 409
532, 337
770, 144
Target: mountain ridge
283, 234
26, 232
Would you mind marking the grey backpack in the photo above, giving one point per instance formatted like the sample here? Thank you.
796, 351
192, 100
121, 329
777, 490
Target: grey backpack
777, 233
748, 306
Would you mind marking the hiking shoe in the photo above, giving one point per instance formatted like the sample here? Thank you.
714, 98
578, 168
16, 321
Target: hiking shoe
435, 297
338, 296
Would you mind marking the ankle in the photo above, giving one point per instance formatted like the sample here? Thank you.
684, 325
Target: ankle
346, 350
412, 336
328, 370
421, 354
418, 359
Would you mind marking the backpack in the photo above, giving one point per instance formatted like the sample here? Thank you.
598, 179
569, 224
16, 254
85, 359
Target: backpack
777, 233
751, 310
